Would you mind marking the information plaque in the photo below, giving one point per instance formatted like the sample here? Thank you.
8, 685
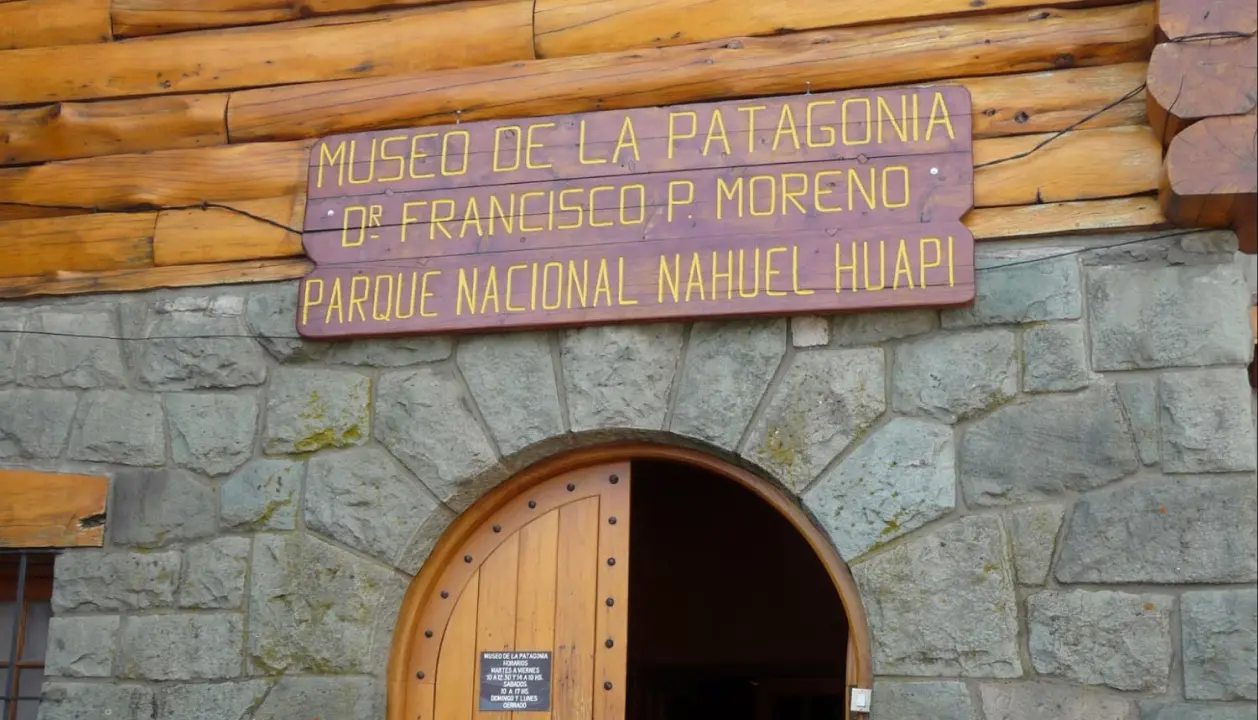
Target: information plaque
518, 681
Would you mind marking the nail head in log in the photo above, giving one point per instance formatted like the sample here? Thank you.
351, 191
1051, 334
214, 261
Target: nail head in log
810, 203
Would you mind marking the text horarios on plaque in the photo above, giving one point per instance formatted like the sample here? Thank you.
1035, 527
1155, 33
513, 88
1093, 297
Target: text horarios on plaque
513, 680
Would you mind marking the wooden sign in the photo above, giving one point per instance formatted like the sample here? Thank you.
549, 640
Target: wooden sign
518, 681
806, 204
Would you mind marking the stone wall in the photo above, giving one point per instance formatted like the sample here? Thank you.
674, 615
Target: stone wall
1047, 500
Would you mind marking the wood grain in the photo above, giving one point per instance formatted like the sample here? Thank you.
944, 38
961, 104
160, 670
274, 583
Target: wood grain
76, 283
456, 669
749, 67
9, 211
1002, 223
581, 27
1212, 175
41, 509
496, 611
535, 608
611, 648
1083, 165
1195, 80
162, 179
74, 130
385, 43
1181, 18
132, 18
77, 243
575, 602
39, 23
187, 237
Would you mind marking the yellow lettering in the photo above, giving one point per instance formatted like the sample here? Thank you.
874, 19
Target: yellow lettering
626, 130
751, 124
921, 254
903, 266
728, 274
514, 131
445, 152
840, 266
870, 194
668, 278
769, 272
593, 208
817, 192
524, 228
353, 160
727, 192
471, 215
673, 136
581, 150
583, 287
491, 291
848, 122
307, 301
625, 204
788, 196
397, 312
440, 216
406, 216
900, 127
423, 294
326, 159
387, 314
510, 292
507, 215
772, 194
695, 278
826, 131
558, 266
620, 284
603, 284
886, 182
417, 154
335, 303
357, 299
673, 200
530, 146
467, 291
939, 115
716, 130
401, 160
951, 267
362, 226
786, 126
882, 267
563, 207
742, 275
795, 273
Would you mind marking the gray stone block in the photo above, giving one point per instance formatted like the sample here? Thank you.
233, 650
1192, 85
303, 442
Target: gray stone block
329, 698
214, 574
826, 400
1033, 291
953, 376
262, 495
211, 434
99, 581
424, 418
271, 317
872, 328
1041, 701
309, 410
1209, 247
35, 423
312, 607
1220, 639
1140, 402
1042, 448
619, 376
391, 352
900, 478
181, 647
424, 540
1034, 530
81, 646
59, 361
152, 508
362, 499
1184, 529
1122, 640
900, 700
1206, 422
193, 342
216, 701
1154, 317
120, 427
943, 604
512, 377
1158, 710
728, 368
96, 701
810, 331
11, 325
1054, 358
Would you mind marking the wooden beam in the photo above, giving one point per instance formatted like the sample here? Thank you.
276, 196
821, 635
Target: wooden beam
748, 67
51, 510
1002, 223
580, 27
188, 237
38, 23
1182, 18
134, 18
73, 130
77, 242
1212, 176
1194, 80
10, 212
153, 278
385, 43
1082, 165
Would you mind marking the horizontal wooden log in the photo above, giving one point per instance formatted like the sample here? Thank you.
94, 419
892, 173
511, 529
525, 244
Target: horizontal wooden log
821, 60
51, 510
40, 23
175, 276
581, 27
162, 179
1182, 18
10, 212
1212, 176
74, 130
1081, 165
134, 18
1194, 80
1002, 223
387, 43
188, 237
79, 242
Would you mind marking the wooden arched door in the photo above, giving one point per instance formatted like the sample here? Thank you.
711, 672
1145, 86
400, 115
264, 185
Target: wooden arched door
528, 618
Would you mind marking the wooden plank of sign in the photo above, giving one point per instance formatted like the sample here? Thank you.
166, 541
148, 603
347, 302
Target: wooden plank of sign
927, 264
838, 125
680, 205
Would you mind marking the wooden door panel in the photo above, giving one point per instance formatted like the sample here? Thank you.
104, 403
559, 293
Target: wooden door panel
537, 575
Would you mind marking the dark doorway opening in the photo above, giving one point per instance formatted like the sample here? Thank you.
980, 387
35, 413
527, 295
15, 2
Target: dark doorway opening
733, 616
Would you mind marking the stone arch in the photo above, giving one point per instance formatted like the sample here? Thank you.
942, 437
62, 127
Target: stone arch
593, 449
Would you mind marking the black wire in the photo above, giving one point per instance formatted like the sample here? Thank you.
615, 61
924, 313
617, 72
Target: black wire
260, 336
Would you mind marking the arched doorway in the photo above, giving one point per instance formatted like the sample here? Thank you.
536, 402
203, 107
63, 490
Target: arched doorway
540, 566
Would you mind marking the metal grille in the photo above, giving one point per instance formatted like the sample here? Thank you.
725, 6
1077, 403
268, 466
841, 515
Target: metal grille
25, 609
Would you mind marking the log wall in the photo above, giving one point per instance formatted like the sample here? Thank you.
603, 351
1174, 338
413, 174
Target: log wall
129, 128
